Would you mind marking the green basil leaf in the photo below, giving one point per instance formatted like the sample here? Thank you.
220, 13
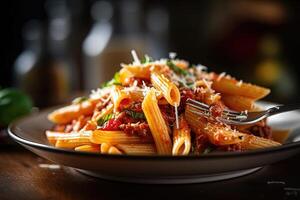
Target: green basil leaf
176, 69
104, 119
79, 100
13, 104
146, 59
135, 115
114, 81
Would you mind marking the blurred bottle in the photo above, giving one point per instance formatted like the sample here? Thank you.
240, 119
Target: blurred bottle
108, 44
35, 71
273, 72
59, 29
157, 21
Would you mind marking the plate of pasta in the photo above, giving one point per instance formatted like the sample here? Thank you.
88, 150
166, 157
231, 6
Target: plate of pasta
137, 127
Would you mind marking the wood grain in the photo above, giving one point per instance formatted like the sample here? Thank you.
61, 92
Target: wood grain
22, 177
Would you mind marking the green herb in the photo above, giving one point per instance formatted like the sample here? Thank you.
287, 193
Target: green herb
135, 115
104, 119
146, 59
79, 100
114, 81
190, 85
176, 69
13, 104
208, 150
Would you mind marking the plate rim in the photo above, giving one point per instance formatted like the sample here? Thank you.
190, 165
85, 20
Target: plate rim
46, 147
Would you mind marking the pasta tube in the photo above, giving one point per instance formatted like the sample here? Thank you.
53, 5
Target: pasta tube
141, 71
109, 149
253, 142
220, 135
119, 98
238, 103
53, 136
156, 123
233, 87
125, 75
168, 89
73, 141
215, 132
68, 113
115, 137
181, 138
137, 149
88, 148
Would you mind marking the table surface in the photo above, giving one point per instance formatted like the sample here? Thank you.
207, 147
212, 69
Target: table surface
23, 176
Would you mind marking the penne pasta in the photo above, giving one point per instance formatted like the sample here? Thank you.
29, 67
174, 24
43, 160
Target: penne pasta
114, 150
217, 133
168, 89
125, 76
233, 87
196, 123
115, 137
137, 149
68, 113
138, 71
141, 71
72, 142
144, 110
119, 98
252, 142
109, 149
181, 138
238, 103
156, 123
221, 135
88, 148
53, 136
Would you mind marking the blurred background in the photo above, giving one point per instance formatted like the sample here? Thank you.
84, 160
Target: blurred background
53, 50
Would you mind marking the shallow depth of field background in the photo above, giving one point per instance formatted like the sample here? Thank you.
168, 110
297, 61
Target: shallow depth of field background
54, 50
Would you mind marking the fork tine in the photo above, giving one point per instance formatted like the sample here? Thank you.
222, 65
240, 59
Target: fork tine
204, 110
192, 101
198, 107
205, 106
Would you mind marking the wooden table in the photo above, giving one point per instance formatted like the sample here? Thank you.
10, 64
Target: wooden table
23, 177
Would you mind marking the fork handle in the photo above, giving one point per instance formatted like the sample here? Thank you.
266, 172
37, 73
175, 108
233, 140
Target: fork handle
283, 108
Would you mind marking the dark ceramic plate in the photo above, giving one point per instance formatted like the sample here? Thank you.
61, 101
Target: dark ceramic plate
29, 132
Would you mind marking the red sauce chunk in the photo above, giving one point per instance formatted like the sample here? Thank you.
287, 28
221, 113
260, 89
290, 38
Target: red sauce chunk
140, 129
185, 94
112, 125
216, 110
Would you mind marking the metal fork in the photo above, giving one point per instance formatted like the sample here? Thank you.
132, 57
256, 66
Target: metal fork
239, 118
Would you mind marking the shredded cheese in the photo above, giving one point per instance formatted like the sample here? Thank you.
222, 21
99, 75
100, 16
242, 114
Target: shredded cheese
221, 76
99, 93
239, 84
201, 67
135, 58
208, 85
172, 55
176, 116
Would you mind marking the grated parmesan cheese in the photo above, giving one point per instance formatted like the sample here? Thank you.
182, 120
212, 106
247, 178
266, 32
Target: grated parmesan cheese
208, 85
172, 55
201, 68
136, 59
99, 93
239, 84
176, 116
221, 76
